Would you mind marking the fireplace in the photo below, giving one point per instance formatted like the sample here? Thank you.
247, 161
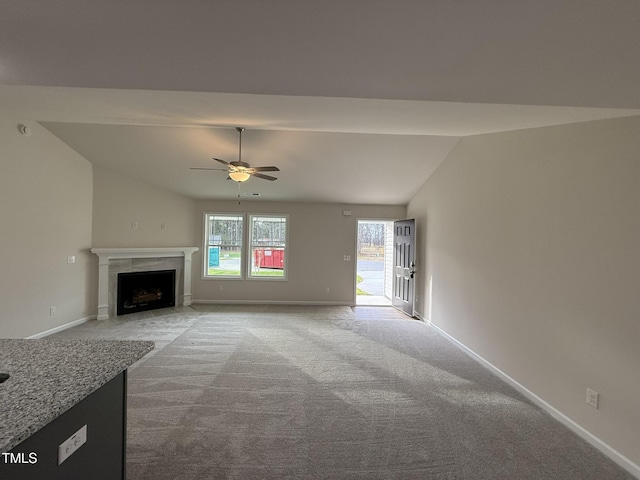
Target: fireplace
140, 291
113, 261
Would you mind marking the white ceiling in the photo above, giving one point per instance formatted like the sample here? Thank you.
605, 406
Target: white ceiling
356, 101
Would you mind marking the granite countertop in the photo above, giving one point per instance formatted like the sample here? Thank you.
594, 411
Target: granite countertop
48, 377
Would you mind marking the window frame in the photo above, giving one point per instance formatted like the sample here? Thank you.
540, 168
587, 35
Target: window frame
206, 245
250, 246
246, 246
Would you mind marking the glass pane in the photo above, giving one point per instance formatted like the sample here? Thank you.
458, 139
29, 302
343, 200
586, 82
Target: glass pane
267, 262
224, 261
268, 231
225, 230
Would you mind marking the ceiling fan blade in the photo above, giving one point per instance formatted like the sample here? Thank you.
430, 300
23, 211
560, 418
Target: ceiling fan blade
266, 169
265, 177
204, 168
221, 161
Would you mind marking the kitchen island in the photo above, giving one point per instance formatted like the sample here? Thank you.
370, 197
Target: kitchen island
64, 407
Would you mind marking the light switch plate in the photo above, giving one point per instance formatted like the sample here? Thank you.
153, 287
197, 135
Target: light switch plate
71, 444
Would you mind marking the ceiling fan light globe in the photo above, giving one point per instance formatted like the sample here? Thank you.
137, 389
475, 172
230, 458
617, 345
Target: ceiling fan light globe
239, 176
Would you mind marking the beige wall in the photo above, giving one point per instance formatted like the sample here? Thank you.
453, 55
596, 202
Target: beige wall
120, 201
45, 216
531, 240
319, 237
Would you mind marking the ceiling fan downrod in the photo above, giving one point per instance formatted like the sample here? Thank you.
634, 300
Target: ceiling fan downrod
240, 130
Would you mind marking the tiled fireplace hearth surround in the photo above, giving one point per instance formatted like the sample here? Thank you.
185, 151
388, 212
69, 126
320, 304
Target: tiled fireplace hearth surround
112, 261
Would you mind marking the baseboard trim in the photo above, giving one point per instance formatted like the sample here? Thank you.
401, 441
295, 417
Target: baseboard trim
61, 327
583, 433
270, 302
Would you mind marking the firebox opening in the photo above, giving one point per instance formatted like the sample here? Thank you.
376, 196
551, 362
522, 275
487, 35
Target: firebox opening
140, 291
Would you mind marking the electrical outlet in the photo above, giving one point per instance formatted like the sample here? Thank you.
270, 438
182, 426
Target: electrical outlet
134, 225
326, 290
52, 310
71, 444
593, 398
71, 259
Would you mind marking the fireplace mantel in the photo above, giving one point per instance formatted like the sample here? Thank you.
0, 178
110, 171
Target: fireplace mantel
107, 255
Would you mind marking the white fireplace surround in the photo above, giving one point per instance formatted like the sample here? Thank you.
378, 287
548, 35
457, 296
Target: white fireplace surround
112, 261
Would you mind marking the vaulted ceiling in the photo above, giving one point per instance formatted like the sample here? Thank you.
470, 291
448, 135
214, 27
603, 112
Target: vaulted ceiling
356, 101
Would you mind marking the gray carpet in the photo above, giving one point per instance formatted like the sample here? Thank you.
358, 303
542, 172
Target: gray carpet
271, 392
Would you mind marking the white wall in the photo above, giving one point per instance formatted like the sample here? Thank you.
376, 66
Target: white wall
45, 216
532, 242
319, 237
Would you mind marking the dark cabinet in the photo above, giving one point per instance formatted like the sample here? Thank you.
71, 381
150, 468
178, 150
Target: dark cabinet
101, 457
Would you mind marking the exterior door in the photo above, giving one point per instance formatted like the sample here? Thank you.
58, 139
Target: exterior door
404, 265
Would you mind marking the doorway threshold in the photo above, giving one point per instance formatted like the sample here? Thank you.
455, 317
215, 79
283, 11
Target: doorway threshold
373, 300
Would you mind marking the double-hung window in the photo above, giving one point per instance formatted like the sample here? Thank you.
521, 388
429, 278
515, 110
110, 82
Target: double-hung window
260, 250
224, 235
268, 246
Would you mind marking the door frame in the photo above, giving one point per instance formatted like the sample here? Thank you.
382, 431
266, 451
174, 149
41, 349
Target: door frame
355, 263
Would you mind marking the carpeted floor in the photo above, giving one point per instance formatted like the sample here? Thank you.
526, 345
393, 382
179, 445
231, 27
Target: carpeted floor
294, 392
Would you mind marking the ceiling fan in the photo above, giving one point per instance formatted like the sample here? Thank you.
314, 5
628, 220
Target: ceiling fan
240, 171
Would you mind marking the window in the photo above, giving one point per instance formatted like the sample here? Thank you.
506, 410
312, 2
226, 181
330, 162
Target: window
226, 240
268, 246
223, 242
